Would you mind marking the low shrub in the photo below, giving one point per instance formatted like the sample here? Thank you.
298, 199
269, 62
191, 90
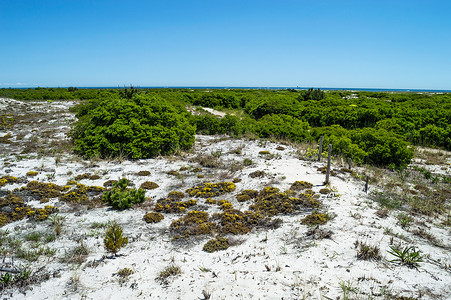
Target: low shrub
216, 244
143, 173
149, 185
153, 217
315, 218
169, 205
207, 190
114, 238
256, 174
193, 223
119, 197
300, 185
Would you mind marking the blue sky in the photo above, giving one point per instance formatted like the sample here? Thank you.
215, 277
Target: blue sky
360, 44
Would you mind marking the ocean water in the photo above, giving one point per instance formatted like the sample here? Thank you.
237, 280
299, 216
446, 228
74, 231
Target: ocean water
277, 88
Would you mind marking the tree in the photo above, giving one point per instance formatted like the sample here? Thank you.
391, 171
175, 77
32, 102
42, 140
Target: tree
114, 239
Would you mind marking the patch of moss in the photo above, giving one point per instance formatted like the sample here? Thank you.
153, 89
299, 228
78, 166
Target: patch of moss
176, 195
173, 173
236, 180
236, 222
309, 192
169, 205
44, 191
271, 202
324, 191
246, 195
210, 201
207, 190
264, 152
149, 185
32, 173
309, 201
216, 244
280, 148
153, 217
109, 183
200, 176
290, 193
315, 218
256, 174
82, 176
301, 185
193, 223
225, 205
6, 139
14, 209
7, 180
71, 182
143, 173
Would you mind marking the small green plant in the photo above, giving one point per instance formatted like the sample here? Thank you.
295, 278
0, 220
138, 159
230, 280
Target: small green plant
57, 223
120, 197
170, 271
114, 239
248, 162
367, 252
125, 272
347, 288
404, 220
408, 256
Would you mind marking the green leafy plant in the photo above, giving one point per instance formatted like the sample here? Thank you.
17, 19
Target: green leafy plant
347, 288
119, 197
404, 220
407, 256
114, 239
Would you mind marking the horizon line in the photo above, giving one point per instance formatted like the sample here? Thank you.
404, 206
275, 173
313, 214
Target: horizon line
238, 87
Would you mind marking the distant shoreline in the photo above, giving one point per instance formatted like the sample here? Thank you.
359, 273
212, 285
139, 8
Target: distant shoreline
254, 88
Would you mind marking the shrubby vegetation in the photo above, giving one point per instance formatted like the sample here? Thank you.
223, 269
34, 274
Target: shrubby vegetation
140, 127
369, 127
121, 197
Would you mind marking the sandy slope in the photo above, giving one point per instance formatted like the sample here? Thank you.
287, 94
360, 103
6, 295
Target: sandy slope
284, 263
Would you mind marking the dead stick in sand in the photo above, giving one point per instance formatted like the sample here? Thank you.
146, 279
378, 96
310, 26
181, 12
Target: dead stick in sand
320, 147
328, 164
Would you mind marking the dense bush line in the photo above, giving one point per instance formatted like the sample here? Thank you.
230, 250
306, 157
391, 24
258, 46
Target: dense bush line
371, 127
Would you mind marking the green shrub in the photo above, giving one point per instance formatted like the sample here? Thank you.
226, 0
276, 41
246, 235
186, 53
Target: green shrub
282, 126
114, 239
122, 198
141, 127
